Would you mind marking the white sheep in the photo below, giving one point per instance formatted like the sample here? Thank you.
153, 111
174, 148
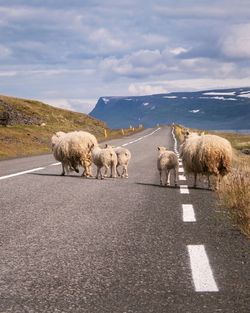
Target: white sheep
167, 161
104, 157
123, 158
73, 150
207, 155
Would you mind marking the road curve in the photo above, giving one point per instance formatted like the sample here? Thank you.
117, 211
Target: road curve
69, 244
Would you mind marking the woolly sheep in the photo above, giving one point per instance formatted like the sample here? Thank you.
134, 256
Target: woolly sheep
104, 157
73, 149
207, 155
167, 161
123, 158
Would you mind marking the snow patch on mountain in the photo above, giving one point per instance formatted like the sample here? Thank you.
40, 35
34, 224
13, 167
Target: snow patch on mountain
213, 93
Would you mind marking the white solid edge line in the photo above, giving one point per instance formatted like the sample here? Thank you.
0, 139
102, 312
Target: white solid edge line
202, 274
188, 214
54, 164
22, 173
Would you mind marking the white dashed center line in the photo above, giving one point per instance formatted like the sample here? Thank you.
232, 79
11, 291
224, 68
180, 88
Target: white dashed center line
184, 189
188, 213
202, 274
182, 177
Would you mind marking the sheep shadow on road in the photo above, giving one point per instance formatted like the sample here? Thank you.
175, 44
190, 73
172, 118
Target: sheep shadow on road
173, 187
157, 185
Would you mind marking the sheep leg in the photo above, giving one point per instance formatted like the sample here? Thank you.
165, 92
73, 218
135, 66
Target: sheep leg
98, 173
160, 177
126, 171
118, 173
167, 178
63, 170
208, 181
217, 183
123, 171
106, 171
175, 176
113, 171
195, 180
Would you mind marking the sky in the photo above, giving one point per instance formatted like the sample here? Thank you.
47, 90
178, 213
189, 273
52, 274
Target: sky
70, 53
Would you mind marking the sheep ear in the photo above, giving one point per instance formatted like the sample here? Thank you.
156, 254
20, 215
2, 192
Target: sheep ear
159, 148
106, 145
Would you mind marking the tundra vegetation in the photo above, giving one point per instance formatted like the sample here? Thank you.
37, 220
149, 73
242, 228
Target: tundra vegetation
234, 190
26, 126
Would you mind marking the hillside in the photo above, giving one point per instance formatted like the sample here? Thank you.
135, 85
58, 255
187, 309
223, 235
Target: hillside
32, 123
210, 109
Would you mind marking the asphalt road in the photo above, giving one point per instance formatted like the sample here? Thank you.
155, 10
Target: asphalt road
69, 244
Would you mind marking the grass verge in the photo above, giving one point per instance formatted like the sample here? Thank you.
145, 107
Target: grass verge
234, 190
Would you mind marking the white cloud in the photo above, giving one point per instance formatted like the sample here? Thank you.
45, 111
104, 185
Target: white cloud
4, 52
178, 50
145, 89
78, 105
236, 43
166, 86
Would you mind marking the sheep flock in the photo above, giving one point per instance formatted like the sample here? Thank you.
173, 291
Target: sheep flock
202, 155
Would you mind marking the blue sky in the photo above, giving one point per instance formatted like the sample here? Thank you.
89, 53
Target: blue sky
70, 53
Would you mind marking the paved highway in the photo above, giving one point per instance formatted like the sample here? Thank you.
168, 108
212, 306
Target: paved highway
69, 244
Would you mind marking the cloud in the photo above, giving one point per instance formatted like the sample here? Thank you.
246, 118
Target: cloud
59, 49
236, 43
196, 84
178, 50
4, 52
78, 105
145, 89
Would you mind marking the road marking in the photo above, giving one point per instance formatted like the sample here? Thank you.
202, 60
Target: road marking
182, 177
138, 139
181, 170
58, 163
201, 271
21, 173
184, 189
188, 213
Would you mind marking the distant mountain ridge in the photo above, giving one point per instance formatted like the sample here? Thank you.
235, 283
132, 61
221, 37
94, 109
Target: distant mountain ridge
209, 109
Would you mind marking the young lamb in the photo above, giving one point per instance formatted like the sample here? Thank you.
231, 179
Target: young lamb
73, 150
207, 155
104, 157
167, 161
123, 158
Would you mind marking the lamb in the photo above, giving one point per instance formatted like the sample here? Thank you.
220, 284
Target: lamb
73, 149
104, 157
207, 155
167, 161
123, 158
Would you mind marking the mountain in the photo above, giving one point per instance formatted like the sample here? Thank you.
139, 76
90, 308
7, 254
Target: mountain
209, 109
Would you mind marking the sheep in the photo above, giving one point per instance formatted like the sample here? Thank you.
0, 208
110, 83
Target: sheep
207, 155
55, 138
73, 149
167, 161
104, 157
123, 158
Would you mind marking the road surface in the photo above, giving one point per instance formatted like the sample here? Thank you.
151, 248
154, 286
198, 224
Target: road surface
69, 244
